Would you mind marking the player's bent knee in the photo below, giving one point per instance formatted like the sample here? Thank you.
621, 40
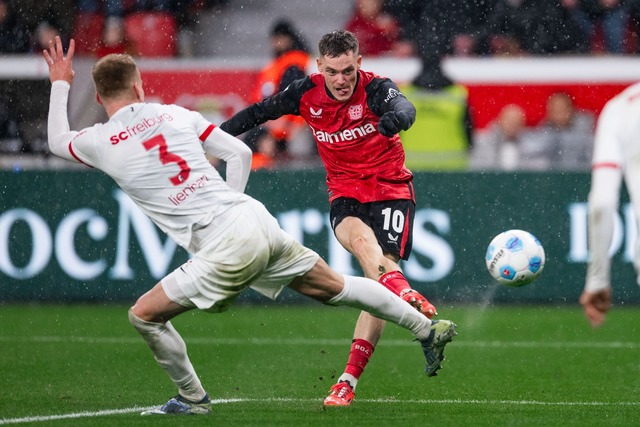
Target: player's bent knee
139, 312
141, 325
135, 321
134, 310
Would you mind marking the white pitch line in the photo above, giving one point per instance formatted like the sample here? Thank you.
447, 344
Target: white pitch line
460, 342
44, 418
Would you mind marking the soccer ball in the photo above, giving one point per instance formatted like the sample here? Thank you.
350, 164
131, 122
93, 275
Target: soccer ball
515, 258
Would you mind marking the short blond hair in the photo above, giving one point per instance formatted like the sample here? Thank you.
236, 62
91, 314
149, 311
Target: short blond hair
114, 74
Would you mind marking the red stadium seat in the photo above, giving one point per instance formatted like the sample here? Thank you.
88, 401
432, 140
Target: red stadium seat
87, 32
153, 34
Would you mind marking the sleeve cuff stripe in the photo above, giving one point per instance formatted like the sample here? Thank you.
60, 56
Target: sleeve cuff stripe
207, 132
76, 157
602, 165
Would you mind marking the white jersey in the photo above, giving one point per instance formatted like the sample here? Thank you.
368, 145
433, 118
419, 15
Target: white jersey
617, 129
155, 154
616, 156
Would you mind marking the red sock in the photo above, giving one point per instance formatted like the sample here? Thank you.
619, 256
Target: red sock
361, 351
394, 281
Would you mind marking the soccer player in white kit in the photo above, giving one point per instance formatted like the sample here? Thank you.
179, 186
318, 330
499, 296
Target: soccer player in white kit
156, 154
616, 155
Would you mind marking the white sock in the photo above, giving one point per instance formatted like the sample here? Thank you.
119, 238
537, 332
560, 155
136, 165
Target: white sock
353, 381
372, 297
170, 352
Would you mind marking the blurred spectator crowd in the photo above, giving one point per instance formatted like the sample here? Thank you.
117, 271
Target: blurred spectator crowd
563, 140
384, 27
496, 27
99, 26
427, 29
139, 27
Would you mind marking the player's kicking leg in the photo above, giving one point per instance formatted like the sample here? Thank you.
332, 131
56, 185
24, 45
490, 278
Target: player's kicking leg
325, 285
366, 335
363, 242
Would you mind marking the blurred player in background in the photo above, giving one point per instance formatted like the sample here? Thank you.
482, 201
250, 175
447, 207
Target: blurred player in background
290, 59
616, 155
355, 117
156, 154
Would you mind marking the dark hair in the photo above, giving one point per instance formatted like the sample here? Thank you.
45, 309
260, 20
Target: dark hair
284, 27
338, 42
114, 74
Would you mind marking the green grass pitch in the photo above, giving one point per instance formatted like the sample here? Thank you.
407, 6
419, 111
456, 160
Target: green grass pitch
84, 365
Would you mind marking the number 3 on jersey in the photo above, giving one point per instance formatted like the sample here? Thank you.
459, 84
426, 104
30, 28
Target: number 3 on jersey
166, 157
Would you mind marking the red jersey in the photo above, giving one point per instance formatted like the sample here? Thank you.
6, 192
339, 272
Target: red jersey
360, 162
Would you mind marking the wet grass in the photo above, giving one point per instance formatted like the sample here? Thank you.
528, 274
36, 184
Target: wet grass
510, 365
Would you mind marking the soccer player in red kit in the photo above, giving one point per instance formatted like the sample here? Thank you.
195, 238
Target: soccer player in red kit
355, 117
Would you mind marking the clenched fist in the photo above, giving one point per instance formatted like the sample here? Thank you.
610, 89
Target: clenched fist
393, 122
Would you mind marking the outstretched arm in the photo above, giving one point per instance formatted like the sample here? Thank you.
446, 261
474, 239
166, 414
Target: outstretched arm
271, 108
61, 75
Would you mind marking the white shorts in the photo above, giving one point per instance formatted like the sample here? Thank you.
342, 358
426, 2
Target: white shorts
253, 251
